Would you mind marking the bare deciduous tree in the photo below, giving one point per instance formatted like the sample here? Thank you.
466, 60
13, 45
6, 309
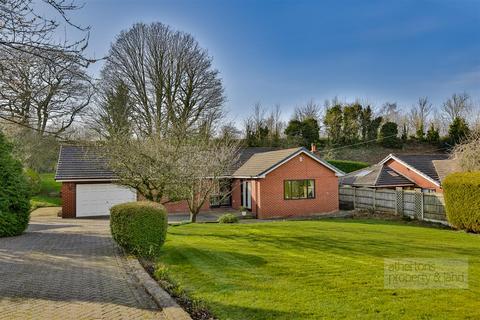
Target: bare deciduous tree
309, 110
147, 165
275, 124
263, 127
419, 115
171, 170
390, 112
45, 95
457, 106
202, 167
173, 86
229, 131
25, 29
468, 152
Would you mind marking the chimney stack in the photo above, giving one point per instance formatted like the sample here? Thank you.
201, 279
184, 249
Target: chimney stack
313, 147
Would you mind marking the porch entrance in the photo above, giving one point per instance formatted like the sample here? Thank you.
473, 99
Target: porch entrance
246, 194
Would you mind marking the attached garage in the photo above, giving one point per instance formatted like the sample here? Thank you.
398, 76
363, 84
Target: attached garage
97, 199
88, 186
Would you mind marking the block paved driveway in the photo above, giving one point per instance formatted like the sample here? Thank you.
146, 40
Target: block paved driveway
68, 269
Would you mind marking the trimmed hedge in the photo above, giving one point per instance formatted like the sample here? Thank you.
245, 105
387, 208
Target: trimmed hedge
139, 227
228, 218
462, 200
348, 166
14, 193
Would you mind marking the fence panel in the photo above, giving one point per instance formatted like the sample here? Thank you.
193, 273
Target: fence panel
385, 200
426, 206
434, 207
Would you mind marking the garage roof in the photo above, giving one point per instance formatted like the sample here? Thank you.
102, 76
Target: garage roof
82, 163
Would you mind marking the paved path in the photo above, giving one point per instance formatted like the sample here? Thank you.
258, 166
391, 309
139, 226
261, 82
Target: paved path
68, 269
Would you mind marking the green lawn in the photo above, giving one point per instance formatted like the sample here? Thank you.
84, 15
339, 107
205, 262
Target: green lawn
317, 269
49, 195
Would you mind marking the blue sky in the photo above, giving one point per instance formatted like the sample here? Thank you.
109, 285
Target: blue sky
288, 52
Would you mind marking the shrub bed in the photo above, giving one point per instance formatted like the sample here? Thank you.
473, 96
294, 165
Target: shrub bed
228, 218
139, 227
462, 200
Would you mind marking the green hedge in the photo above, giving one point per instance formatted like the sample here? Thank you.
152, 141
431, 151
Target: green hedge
139, 227
348, 166
14, 193
462, 200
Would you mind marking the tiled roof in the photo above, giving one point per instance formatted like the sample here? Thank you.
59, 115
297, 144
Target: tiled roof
246, 153
389, 177
363, 177
434, 166
261, 162
375, 176
87, 163
424, 163
445, 167
80, 162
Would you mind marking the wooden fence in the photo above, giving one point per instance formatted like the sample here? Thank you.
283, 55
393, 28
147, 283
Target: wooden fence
415, 204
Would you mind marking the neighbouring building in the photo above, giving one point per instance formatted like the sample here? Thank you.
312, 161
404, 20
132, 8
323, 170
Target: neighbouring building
419, 171
269, 183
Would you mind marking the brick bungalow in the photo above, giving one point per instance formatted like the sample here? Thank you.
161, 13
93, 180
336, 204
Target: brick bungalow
425, 172
269, 183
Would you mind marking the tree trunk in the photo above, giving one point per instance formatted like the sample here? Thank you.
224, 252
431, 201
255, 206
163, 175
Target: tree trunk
193, 217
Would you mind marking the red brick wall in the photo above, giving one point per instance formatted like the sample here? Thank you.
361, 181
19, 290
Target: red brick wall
415, 177
236, 192
255, 196
271, 202
182, 207
178, 206
69, 200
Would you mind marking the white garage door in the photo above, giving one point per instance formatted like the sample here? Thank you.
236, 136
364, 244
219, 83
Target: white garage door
97, 199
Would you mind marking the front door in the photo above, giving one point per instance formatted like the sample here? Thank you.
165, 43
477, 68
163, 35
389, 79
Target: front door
246, 192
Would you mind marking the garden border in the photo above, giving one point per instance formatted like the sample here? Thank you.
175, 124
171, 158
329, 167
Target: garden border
169, 306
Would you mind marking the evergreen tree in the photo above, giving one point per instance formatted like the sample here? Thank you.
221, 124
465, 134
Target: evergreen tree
365, 122
420, 133
311, 131
373, 128
433, 136
257, 137
333, 123
404, 133
351, 122
14, 193
388, 135
303, 132
114, 117
458, 130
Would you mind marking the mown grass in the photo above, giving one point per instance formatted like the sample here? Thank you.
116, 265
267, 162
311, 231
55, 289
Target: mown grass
49, 194
316, 269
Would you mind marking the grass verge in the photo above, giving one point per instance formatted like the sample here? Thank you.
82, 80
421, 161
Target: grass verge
49, 194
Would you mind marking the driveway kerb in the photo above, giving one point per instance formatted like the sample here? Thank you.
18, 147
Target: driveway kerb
169, 306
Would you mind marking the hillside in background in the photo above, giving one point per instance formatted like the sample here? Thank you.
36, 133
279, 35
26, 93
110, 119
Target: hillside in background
374, 153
